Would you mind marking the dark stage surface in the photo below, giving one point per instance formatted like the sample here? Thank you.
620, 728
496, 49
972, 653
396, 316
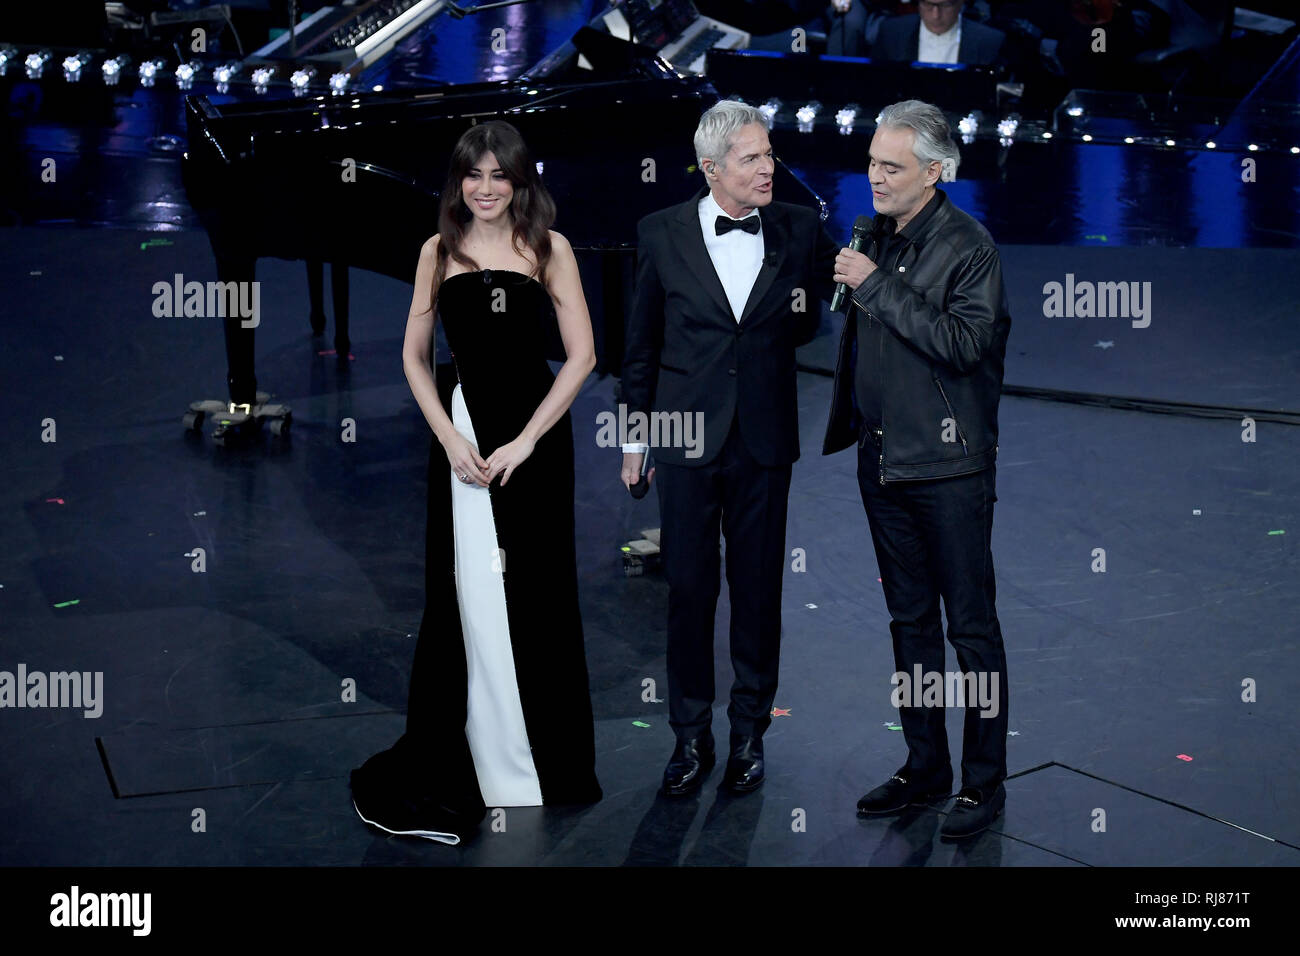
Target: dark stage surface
221, 690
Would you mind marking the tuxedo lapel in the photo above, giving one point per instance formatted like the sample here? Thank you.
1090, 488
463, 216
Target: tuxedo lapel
690, 245
776, 240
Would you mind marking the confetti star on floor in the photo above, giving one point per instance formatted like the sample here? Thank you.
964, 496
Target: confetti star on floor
1013, 733
781, 711
1104, 345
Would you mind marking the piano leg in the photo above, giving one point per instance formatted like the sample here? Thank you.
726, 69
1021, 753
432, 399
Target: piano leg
240, 377
339, 288
315, 283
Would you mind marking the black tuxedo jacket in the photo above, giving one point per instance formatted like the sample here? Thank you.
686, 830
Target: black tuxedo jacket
900, 37
685, 351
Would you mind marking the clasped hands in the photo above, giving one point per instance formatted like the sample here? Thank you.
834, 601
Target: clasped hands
473, 469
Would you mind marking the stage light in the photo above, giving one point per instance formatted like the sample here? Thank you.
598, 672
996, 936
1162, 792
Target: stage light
148, 71
846, 117
339, 83
301, 79
1007, 127
1253, 148
378, 87
35, 64
261, 77
8, 54
1047, 134
1075, 111
72, 66
805, 115
1211, 144
1295, 150
223, 73
769, 111
185, 74
1129, 140
1086, 137
113, 68
969, 126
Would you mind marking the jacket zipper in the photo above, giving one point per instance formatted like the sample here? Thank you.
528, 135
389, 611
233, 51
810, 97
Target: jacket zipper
880, 364
952, 415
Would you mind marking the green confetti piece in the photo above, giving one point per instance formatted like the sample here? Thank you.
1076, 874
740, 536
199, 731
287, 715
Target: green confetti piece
1283, 531
1100, 236
639, 723
69, 603
893, 726
154, 242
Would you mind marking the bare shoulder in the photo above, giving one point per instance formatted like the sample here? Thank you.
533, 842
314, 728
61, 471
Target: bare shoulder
430, 246
558, 242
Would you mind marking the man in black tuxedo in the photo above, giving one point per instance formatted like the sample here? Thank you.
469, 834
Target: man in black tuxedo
728, 285
938, 33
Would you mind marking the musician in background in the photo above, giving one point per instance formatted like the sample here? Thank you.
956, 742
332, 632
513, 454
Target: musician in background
849, 26
938, 33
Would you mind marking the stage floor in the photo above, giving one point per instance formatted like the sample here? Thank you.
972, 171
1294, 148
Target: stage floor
222, 690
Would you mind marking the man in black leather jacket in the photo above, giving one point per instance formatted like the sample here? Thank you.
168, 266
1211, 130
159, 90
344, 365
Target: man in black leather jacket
917, 383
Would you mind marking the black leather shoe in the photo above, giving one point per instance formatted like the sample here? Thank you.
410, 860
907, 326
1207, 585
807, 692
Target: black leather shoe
744, 771
692, 759
973, 812
901, 791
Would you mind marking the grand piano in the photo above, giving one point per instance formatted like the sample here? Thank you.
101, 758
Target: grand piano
609, 122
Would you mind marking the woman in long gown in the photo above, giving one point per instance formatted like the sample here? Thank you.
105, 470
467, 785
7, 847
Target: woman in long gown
499, 711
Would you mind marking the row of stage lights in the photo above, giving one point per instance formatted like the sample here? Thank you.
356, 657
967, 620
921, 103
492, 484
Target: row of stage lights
151, 70
846, 118
300, 81
1076, 111
968, 126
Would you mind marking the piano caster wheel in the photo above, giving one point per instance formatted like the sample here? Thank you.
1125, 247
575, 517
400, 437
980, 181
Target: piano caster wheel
280, 426
219, 435
193, 421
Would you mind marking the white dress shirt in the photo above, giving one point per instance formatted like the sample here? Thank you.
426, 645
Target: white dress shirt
939, 47
737, 258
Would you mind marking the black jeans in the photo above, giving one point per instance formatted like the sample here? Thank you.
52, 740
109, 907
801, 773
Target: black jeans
932, 539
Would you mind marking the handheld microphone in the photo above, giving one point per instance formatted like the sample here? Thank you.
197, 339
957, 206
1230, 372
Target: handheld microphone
641, 486
861, 229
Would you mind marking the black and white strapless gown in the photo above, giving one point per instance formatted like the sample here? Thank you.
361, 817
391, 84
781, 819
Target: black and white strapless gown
499, 712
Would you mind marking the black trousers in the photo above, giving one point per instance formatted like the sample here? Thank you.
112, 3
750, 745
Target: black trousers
747, 502
932, 540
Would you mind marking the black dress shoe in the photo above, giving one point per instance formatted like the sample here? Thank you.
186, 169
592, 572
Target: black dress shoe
900, 791
973, 812
744, 771
692, 759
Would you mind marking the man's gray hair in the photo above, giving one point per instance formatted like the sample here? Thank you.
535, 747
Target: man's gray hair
718, 127
933, 142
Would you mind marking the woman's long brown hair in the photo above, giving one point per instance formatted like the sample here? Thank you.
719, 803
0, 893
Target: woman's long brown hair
532, 210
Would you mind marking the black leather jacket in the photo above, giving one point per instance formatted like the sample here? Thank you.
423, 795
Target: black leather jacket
944, 311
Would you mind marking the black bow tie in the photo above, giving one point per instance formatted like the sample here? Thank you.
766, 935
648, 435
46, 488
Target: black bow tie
724, 224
